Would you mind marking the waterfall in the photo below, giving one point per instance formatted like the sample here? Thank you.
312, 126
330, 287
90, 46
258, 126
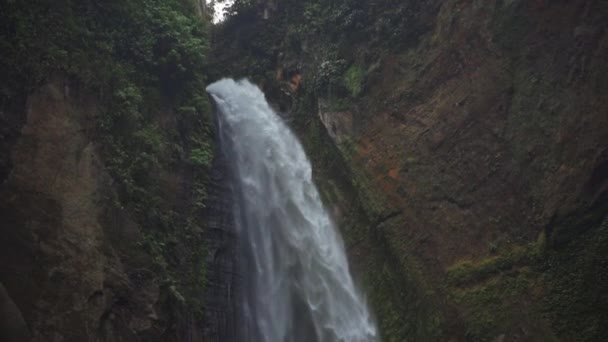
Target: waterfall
296, 282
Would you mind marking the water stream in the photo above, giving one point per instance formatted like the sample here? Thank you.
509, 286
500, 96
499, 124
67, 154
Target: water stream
296, 280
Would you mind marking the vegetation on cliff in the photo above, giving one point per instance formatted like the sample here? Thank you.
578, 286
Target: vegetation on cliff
461, 145
141, 65
473, 137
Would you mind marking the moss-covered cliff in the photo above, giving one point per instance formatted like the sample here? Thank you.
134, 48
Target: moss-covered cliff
106, 150
461, 145
464, 147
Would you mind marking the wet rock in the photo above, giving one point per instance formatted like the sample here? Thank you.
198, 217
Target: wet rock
12, 325
224, 285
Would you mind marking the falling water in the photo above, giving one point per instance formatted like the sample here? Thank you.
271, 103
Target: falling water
297, 285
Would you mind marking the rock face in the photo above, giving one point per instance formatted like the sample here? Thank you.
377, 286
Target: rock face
12, 325
71, 268
106, 152
339, 125
493, 130
224, 284
474, 135
54, 265
463, 146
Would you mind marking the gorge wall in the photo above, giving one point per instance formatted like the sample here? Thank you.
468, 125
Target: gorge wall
463, 146
113, 215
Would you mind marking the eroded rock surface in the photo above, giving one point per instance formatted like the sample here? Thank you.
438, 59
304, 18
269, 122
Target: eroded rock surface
71, 266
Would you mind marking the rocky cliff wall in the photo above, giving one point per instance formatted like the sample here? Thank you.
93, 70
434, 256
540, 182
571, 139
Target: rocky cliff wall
224, 282
473, 135
76, 264
110, 210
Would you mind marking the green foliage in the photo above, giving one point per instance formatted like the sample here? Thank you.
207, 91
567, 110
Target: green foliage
329, 73
156, 249
240, 8
99, 42
151, 139
493, 306
201, 157
353, 80
563, 286
145, 62
577, 283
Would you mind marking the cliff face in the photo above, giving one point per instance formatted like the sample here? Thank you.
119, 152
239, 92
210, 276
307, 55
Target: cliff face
224, 282
475, 138
461, 145
53, 245
113, 217
74, 264
490, 142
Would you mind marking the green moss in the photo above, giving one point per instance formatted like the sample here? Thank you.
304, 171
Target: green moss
528, 284
577, 283
403, 309
495, 294
467, 271
353, 80
493, 307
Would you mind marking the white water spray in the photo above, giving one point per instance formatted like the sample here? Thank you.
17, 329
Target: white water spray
297, 285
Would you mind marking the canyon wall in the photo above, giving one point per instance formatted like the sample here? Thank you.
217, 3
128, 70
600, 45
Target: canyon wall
113, 208
463, 146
